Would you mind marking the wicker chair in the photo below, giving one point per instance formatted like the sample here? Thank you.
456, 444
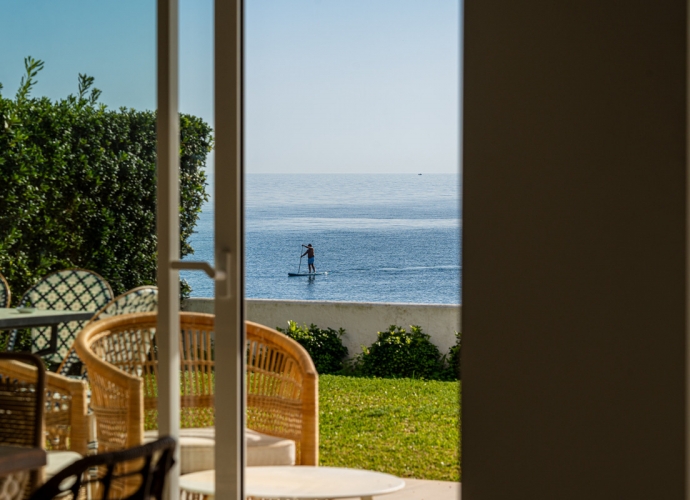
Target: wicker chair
120, 355
140, 299
5, 294
65, 421
68, 290
133, 474
21, 412
65, 411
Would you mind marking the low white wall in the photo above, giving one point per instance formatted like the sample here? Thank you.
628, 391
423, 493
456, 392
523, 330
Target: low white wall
361, 320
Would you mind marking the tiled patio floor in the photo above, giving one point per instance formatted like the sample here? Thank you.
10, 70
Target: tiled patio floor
418, 489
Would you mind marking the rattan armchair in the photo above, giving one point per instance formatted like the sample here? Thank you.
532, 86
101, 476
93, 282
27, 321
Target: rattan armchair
140, 299
21, 414
121, 357
65, 410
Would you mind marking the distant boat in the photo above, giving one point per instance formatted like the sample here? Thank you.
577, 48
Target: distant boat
419, 174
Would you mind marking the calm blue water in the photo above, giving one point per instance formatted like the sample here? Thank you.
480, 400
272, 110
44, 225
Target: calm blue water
382, 238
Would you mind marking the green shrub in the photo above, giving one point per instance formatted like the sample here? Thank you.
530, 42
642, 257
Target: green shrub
78, 186
453, 360
324, 346
401, 354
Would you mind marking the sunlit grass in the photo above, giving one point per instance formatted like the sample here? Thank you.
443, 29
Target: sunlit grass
406, 427
401, 426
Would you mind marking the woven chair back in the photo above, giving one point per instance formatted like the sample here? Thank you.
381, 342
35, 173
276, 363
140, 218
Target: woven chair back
5, 294
66, 290
140, 299
282, 390
121, 356
21, 407
65, 420
135, 474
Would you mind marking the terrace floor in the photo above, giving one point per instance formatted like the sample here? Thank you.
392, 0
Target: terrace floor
422, 489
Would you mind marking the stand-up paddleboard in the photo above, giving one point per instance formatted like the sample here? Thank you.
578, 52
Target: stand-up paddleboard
298, 273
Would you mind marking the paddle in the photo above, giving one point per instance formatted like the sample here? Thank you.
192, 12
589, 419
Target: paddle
300, 259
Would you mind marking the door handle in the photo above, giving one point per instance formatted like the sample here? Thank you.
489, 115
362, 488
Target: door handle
215, 274
195, 265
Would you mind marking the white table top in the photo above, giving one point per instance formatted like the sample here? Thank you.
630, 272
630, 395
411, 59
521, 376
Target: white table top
303, 482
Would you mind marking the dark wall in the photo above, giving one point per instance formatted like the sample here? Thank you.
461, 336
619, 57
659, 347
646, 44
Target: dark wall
574, 249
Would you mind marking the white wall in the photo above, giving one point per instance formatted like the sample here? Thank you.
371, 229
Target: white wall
361, 320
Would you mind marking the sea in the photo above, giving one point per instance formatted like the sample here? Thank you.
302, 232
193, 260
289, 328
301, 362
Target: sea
380, 238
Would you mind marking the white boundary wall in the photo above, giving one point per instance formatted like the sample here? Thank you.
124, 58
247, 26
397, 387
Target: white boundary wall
361, 320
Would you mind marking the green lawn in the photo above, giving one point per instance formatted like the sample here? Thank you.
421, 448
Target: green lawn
401, 426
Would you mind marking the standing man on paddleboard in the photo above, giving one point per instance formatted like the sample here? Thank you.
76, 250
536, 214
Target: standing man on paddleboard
310, 257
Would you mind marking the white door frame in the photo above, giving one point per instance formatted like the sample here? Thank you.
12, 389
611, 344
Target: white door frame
230, 344
168, 228
229, 243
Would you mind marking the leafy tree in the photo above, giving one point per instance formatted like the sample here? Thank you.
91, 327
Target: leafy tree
78, 186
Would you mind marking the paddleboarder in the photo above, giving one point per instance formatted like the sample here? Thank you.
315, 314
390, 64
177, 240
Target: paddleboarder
310, 257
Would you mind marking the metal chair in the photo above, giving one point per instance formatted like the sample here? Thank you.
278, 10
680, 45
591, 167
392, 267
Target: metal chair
66, 290
134, 474
140, 299
5, 294
21, 412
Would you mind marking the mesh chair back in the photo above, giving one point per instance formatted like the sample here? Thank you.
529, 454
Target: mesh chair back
5, 294
140, 299
66, 290
134, 474
21, 407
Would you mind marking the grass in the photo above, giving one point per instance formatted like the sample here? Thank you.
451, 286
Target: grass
406, 427
409, 428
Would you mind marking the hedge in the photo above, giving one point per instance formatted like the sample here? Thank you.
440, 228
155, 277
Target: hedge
325, 346
398, 353
79, 186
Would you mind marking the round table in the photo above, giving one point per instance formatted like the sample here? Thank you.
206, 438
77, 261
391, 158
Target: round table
302, 482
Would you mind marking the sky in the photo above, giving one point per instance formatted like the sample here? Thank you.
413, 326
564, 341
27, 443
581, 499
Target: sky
331, 86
